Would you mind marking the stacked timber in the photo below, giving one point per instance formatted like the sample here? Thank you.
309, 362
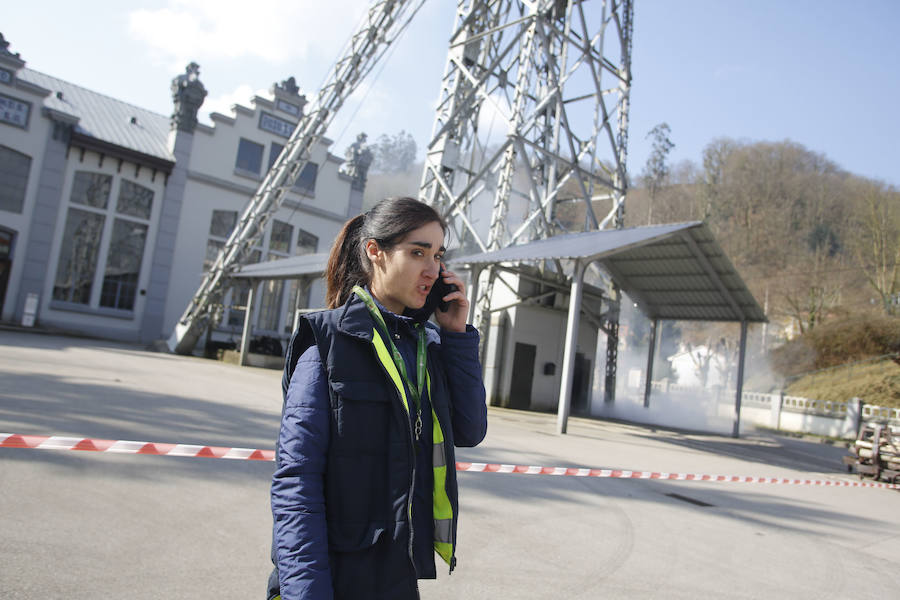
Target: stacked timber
877, 453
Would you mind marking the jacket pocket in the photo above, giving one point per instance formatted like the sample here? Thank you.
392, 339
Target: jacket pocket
353, 536
362, 416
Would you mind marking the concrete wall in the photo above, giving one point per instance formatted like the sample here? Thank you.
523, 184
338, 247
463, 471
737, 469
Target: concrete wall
713, 410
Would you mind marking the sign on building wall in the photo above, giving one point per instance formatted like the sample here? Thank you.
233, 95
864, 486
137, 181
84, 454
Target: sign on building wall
14, 112
275, 125
291, 109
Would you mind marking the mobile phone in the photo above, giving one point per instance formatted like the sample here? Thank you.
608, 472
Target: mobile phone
434, 300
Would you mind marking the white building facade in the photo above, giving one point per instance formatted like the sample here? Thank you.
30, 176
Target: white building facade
526, 343
109, 213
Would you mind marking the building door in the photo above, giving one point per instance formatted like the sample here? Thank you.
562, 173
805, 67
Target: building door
6, 240
581, 378
522, 376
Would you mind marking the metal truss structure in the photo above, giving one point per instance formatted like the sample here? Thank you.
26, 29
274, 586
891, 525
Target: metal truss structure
383, 23
556, 75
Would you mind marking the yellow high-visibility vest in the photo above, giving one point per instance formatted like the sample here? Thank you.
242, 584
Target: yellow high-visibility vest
442, 511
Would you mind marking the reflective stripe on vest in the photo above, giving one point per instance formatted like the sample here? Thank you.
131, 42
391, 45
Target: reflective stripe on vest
442, 511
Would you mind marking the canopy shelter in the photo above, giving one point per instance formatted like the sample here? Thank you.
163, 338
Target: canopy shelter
676, 271
305, 268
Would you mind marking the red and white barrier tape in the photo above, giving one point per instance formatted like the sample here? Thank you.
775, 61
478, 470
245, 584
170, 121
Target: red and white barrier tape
43, 442
623, 474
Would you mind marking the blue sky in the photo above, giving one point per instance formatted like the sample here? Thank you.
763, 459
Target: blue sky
822, 73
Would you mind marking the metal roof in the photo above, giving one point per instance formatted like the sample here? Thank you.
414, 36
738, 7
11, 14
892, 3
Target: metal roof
302, 265
105, 118
675, 271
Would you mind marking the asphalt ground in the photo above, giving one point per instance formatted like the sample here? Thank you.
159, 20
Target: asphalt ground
89, 525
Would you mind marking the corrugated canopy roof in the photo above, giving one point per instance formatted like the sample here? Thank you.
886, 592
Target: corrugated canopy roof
676, 271
303, 265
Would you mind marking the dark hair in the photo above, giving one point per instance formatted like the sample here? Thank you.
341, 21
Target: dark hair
386, 223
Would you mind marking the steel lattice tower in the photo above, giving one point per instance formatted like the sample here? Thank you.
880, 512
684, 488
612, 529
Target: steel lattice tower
556, 74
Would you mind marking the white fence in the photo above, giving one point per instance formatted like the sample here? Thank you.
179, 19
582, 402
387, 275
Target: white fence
779, 411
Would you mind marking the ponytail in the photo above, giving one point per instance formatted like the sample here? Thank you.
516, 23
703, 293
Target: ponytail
345, 265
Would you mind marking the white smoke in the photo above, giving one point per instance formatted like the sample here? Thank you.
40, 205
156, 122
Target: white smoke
707, 408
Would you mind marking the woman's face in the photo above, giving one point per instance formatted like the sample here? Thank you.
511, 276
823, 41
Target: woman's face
403, 275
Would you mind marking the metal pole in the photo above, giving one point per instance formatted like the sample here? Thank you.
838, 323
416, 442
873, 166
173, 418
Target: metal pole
612, 347
568, 369
473, 293
740, 382
651, 352
248, 318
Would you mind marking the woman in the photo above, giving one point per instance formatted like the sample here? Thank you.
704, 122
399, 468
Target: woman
364, 492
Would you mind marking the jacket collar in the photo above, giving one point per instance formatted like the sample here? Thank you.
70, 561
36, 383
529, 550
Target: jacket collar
355, 320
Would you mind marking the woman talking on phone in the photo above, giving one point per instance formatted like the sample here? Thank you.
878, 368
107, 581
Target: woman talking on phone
375, 399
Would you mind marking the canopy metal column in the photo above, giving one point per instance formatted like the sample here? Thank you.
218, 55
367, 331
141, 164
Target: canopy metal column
651, 353
736, 432
248, 320
568, 369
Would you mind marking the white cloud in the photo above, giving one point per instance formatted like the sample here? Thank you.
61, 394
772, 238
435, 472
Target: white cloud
223, 102
368, 105
272, 30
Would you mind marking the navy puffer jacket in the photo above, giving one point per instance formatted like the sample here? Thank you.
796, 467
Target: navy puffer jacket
347, 462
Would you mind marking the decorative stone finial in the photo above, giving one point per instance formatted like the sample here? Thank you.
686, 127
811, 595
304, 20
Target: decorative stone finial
289, 86
8, 58
359, 158
187, 94
288, 97
4, 47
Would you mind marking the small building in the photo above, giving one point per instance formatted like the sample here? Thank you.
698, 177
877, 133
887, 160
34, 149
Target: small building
110, 213
526, 342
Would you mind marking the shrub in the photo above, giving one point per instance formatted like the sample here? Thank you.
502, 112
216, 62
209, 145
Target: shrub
839, 341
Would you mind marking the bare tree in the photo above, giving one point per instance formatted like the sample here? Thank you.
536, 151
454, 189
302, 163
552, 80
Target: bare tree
656, 171
812, 289
877, 243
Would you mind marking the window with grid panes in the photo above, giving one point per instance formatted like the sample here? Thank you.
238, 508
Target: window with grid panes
221, 225
249, 156
307, 243
273, 290
95, 228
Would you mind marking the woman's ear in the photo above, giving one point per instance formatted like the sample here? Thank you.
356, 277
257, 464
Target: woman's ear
373, 251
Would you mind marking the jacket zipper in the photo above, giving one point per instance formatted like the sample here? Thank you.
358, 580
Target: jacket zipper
412, 481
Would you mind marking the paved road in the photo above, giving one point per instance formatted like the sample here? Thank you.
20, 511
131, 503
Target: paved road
79, 525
